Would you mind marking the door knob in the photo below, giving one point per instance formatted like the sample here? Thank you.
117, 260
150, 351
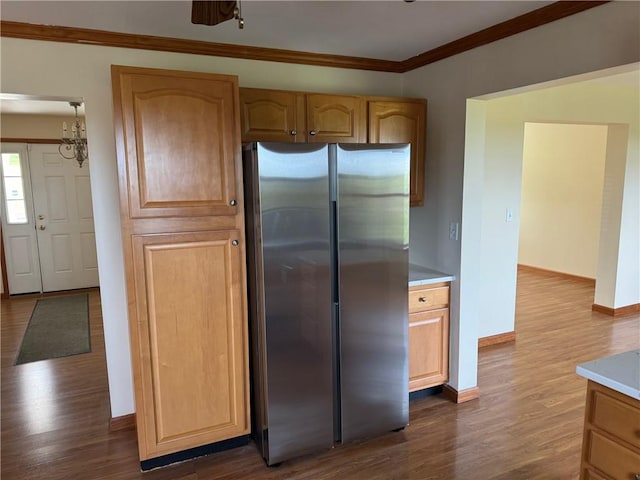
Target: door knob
235, 243
293, 133
233, 203
42, 227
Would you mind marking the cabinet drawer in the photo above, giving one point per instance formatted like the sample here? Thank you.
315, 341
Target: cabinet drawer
616, 417
428, 299
612, 458
591, 475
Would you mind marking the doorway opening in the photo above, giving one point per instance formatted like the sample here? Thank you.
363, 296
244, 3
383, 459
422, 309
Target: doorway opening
47, 221
563, 169
492, 203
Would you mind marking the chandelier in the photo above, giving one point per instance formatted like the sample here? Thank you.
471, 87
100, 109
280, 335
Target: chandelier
77, 143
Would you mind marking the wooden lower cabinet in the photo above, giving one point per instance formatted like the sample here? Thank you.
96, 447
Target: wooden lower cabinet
428, 336
611, 441
191, 337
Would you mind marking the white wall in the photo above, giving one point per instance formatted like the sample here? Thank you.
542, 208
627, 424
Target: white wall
602, 37
562, 180
66, 70
617, 274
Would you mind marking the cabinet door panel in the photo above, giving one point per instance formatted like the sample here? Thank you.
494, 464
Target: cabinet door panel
428, 348
179, 143
402, 122
271, 116
188, 288
336, 118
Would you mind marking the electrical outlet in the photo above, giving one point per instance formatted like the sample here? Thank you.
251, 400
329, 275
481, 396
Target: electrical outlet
454, 227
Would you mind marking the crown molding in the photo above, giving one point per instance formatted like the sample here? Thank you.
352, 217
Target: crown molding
521, 23
84, 36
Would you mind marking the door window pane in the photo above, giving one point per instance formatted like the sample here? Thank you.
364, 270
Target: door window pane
11, 165
14, 189
16, 212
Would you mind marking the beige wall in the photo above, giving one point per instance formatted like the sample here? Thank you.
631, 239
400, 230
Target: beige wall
33, 126
562, 180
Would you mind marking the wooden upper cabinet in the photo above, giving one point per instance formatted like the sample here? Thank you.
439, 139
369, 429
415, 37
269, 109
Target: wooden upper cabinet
180, 142
287, 116
336, 118
402, 122
272, 116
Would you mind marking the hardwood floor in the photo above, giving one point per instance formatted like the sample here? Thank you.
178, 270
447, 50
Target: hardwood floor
527, 423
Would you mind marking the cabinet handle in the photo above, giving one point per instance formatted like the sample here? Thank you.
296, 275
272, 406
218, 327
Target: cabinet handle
235, 243
233, 203
313, 133
42, 227
293, 133
40, 217
422, 299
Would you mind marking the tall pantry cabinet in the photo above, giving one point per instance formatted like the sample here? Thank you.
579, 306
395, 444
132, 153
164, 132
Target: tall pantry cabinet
179, 168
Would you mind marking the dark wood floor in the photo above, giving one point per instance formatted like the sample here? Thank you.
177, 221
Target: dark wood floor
527, 423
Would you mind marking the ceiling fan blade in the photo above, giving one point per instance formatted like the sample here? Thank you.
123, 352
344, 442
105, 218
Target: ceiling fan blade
211, 12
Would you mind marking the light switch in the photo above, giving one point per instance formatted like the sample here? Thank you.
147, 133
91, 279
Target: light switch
509, 215
454, 228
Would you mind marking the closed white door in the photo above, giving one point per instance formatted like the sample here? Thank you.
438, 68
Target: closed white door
64, 220
18, 224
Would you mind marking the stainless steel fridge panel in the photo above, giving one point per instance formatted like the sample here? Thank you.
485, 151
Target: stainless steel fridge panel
296, 290
373, 239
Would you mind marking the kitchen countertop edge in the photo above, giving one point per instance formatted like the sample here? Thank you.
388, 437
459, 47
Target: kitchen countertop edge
612, 372
419, 275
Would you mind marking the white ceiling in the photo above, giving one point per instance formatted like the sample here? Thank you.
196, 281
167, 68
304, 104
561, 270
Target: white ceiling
390, 30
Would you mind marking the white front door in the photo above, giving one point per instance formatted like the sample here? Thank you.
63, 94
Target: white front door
18, 224
64, 220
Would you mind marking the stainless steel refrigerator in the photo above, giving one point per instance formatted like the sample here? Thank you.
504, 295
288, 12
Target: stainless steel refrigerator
328, 237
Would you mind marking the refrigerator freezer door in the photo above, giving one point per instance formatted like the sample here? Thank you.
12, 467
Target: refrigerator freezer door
295, 238
373, 240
